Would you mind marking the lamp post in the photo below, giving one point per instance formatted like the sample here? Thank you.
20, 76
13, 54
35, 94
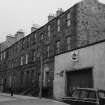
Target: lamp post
41, 69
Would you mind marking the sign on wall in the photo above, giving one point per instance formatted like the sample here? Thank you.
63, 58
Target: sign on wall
75, 55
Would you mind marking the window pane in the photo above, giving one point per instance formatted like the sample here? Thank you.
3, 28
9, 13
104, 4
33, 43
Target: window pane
68, 23
68, 40
84, 94
49, 32
42, 36
49, 28
102, 94
68, 19
68, 16
35, 35
48, 49
68, 43
21, 60
76, 94
26, 58
58, 22
92, 94
58, 25
58, 46
58, 28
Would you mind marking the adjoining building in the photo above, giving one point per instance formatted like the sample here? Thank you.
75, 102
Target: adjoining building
83, 67
80, 26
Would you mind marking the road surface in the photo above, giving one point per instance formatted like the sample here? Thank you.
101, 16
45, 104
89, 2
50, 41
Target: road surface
6, 99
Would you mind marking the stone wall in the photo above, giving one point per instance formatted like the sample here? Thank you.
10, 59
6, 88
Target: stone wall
90, 22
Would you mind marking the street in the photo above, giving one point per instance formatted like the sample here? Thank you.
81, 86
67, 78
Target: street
6, 99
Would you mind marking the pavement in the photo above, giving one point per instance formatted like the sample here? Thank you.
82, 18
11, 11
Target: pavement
7, 99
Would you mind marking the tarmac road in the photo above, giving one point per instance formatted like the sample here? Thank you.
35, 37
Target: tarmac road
6, 99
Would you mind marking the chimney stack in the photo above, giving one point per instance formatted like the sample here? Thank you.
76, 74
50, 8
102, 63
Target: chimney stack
50, 17
34, 27
10, 40
19, 35
59, 11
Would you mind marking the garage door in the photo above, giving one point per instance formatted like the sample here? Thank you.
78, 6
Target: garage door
79, 78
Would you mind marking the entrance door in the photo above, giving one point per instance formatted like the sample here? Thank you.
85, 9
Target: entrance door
79, 78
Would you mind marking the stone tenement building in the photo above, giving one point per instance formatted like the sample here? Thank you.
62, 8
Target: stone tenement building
20, 64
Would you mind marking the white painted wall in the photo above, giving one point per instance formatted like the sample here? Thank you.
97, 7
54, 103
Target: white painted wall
92, 56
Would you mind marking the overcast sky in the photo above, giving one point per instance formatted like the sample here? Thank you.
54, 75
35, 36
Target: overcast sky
21, 14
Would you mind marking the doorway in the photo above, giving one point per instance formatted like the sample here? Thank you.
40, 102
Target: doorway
82, 78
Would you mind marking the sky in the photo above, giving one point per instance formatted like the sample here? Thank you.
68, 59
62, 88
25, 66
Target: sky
22, 14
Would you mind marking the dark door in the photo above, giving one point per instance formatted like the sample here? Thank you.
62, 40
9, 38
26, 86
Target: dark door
79, 78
